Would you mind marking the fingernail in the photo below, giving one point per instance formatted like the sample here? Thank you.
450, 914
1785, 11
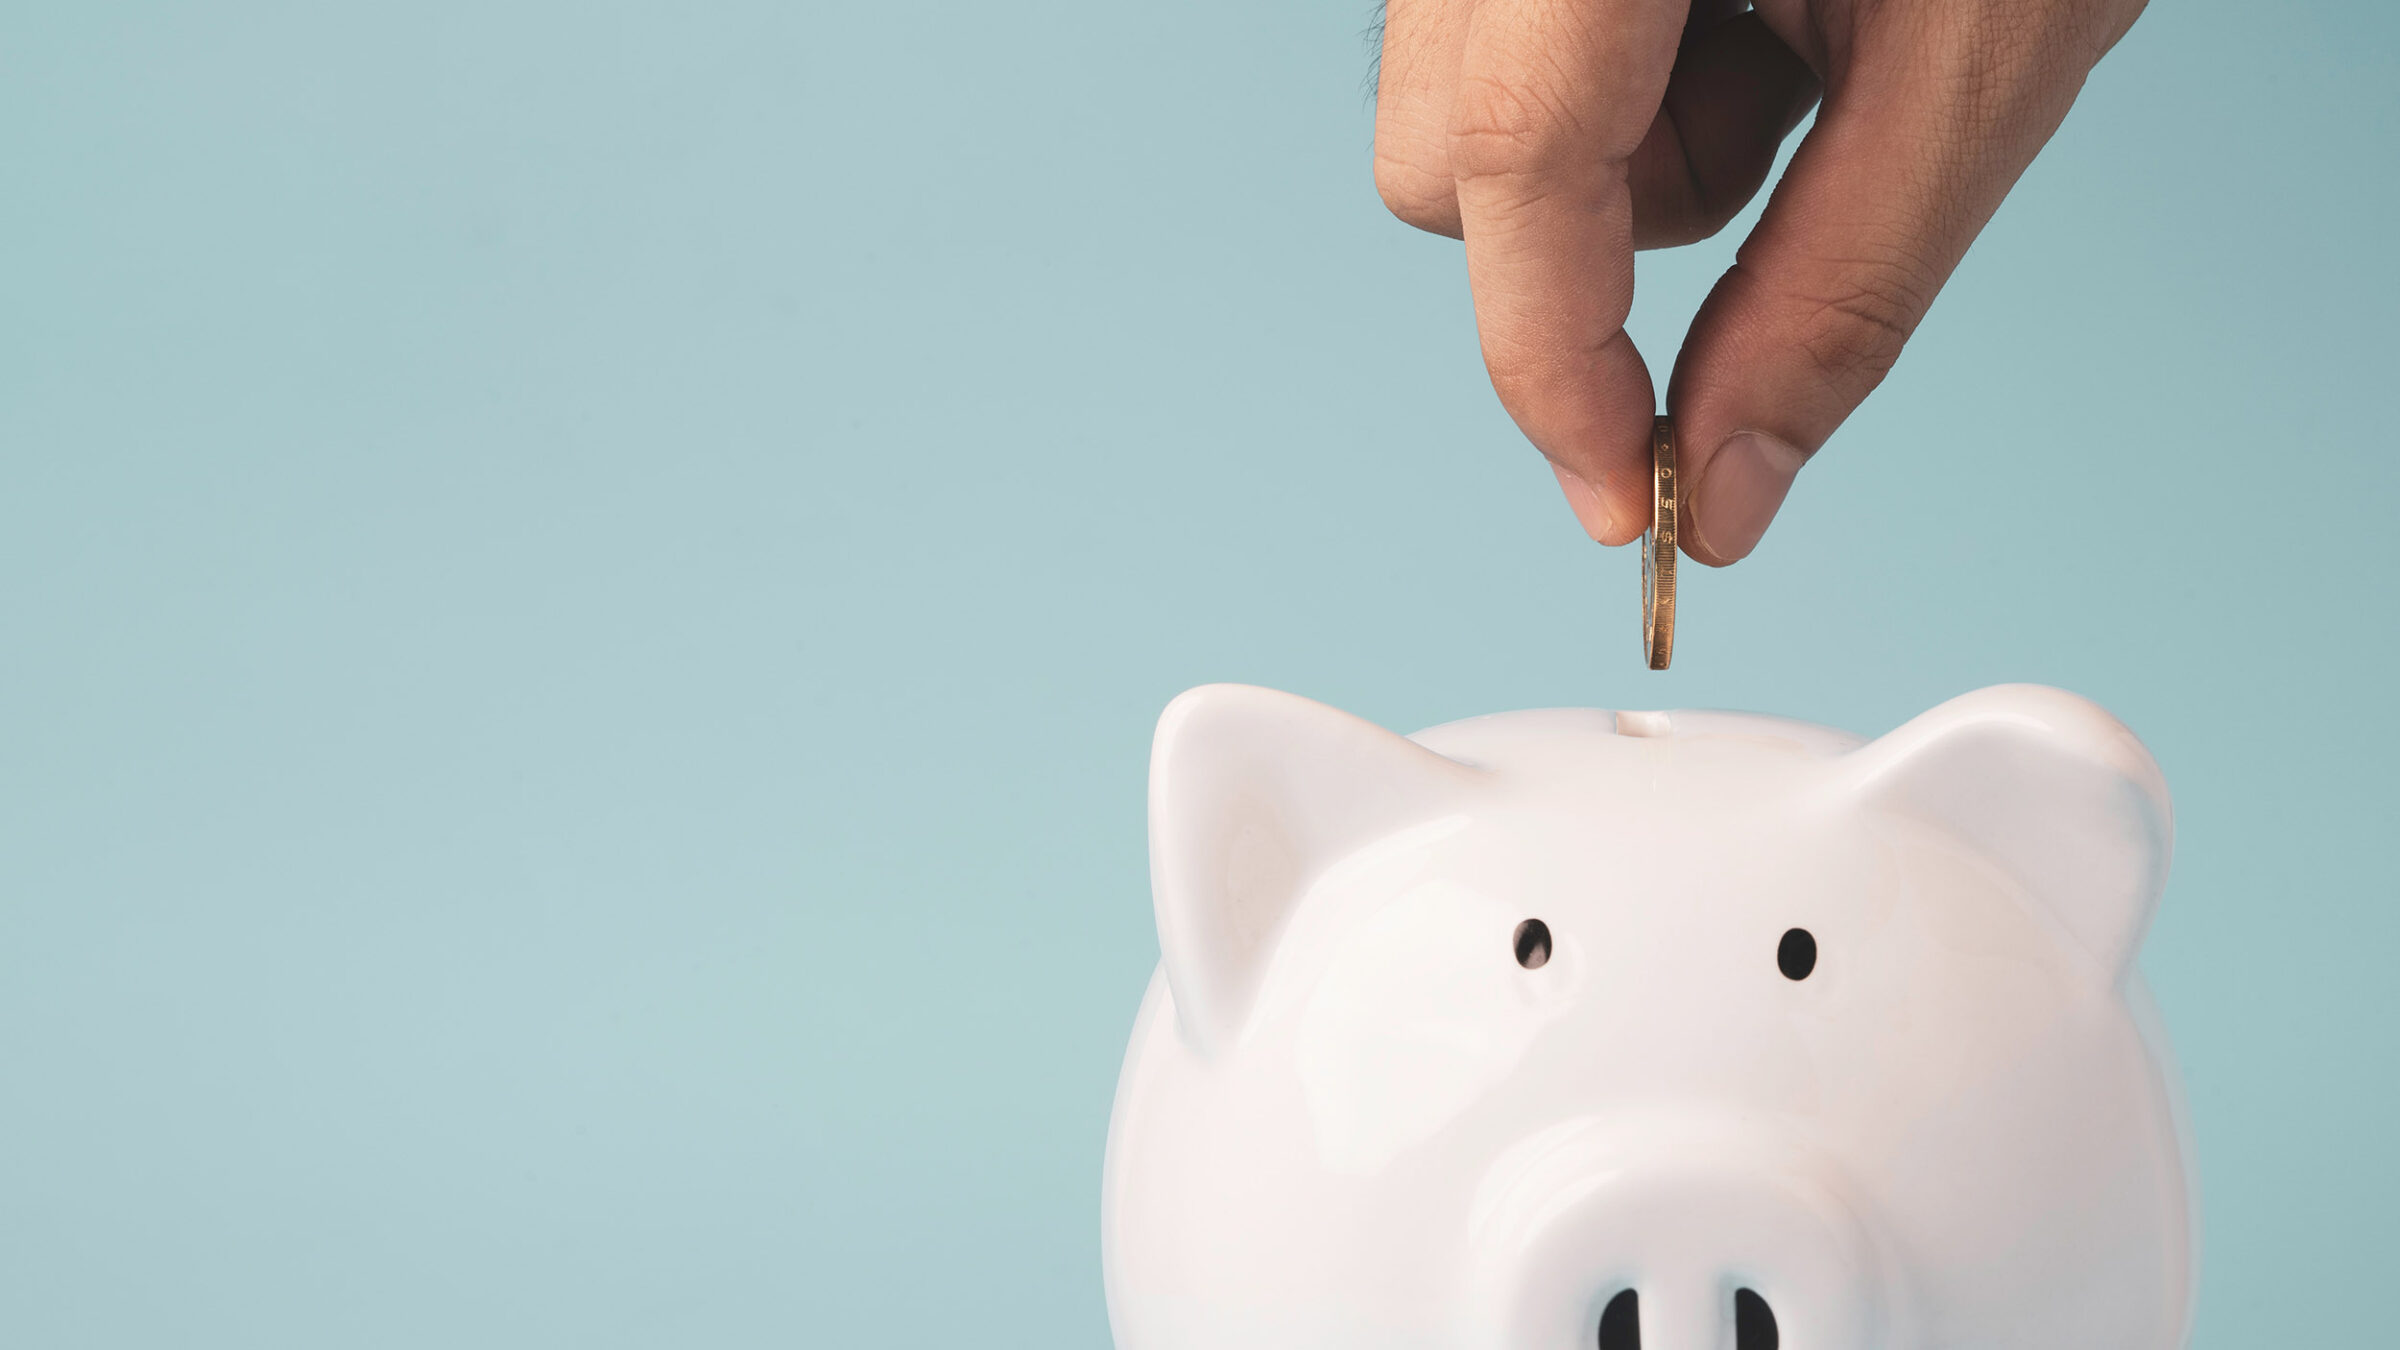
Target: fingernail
1584, 500
1739, 493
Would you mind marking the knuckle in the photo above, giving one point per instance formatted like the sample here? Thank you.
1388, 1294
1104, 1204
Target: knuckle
1854, 333
1507, 128
1416, 186
2008, 69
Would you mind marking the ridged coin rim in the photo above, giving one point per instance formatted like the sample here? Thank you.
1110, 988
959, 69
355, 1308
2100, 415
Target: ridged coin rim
1658, 550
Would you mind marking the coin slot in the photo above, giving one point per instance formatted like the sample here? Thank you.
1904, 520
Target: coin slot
1644, 724
1533, 944
1753, 1322
1621, 1322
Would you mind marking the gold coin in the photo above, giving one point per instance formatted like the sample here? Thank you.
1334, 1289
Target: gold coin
1658, 550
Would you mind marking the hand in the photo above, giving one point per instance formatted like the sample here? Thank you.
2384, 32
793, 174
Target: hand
1557, 136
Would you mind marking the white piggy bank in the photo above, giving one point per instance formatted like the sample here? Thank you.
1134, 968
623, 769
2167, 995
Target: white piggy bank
1687, 1031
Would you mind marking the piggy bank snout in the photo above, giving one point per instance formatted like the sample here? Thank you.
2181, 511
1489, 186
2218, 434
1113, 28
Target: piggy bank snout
1679, 1236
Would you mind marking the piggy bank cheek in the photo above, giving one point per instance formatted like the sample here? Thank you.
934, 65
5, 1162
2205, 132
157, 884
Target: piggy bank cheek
1420, 1013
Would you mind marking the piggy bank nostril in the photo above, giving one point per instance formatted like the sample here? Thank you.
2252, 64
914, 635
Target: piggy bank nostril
1533, 944
1621, 1323
1753, 1322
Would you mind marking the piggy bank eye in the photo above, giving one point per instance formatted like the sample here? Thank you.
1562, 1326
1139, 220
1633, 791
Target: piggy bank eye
1796, 955
1533, 944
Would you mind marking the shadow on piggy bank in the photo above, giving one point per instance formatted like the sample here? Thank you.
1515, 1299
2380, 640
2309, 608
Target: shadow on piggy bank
1688, 1031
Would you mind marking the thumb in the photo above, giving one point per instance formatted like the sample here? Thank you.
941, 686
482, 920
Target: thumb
1903, 168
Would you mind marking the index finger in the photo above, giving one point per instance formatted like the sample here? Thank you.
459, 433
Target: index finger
1553, 98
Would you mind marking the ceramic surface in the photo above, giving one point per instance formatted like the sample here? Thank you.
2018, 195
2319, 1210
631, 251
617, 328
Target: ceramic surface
1365, 1107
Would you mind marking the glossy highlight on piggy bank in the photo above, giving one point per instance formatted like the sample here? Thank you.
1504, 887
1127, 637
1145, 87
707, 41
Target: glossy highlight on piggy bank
1683, 1031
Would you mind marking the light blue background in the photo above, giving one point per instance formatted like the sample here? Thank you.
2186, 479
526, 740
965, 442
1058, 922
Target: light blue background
583, 590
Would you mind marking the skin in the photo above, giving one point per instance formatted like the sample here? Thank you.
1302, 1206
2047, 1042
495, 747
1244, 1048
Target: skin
1555, 137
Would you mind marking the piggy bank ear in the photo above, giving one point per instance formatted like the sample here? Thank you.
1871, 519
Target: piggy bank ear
1252, 794
2051, 788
